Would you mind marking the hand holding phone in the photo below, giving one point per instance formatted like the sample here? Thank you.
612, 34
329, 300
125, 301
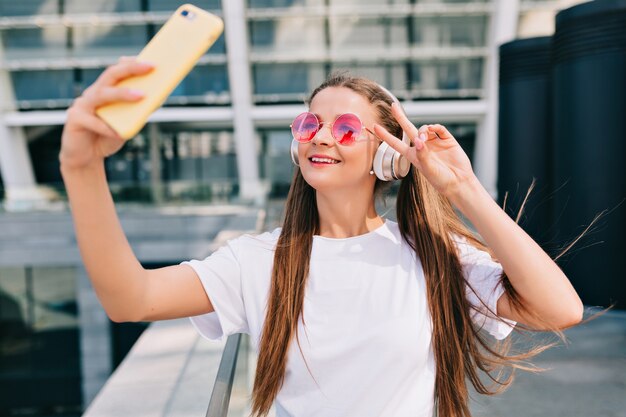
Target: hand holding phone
173, 52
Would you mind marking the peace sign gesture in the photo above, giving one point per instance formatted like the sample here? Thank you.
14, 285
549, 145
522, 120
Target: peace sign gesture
435, 153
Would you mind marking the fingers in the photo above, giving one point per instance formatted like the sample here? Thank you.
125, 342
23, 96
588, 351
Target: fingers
103, 91
430, 132
440, 131
127, 67
89, 121
424, 133
406, 124
97, 125
393, 141
95, 97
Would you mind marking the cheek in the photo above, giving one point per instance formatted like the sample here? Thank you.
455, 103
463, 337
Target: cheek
303, 150
361, 156
369, 151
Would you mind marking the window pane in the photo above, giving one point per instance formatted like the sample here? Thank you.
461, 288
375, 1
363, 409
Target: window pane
275, 161
28, 7
283, 3
43, 85
292, 80
171, 5
296, 34
365, 2
447, 75
454, 1
450, 31
393, 76
369, 33
89, 76
102, 6
204, 156
109, 40
32, 43
202, 80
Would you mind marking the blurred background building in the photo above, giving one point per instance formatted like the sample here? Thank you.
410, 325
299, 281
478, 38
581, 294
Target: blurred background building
223, 135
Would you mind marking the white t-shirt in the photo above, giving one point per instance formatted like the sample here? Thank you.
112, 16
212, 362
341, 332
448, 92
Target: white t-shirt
367, 338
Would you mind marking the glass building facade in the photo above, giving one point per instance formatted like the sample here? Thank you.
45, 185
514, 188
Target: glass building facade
39, 348
52, 50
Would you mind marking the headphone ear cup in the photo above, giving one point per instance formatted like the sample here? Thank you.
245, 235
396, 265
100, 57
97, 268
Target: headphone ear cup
401, 165
294, 152
377, 165
389, 164
383, 162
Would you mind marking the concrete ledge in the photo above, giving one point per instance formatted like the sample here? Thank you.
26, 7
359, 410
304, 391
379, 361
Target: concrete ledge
170, 371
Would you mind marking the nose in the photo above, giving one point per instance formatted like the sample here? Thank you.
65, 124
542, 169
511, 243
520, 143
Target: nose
323, 136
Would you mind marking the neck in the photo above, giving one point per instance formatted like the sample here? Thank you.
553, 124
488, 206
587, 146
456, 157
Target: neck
346, 214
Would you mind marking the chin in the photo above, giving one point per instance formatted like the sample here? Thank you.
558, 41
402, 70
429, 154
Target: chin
321, 184
324, 182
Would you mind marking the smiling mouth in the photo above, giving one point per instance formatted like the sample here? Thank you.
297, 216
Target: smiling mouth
328, 161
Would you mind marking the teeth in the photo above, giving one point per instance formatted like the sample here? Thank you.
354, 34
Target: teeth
326, 160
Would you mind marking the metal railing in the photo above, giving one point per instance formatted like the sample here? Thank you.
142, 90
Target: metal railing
220, 397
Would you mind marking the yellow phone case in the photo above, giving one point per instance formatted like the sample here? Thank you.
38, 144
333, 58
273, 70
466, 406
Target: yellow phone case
173, 51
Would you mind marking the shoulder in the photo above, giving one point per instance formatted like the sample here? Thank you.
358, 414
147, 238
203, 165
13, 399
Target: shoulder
255, 241
468, 252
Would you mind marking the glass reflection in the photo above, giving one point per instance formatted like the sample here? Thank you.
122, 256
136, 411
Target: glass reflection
39, 347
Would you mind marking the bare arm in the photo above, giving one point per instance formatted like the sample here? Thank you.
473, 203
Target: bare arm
542, 285
127, 291
539, 281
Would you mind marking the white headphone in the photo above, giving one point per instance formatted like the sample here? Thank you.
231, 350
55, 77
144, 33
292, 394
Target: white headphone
388, 163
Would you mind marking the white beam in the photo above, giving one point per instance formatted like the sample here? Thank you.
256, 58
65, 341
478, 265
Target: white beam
236, 33
502, 28
21, 191
267, 116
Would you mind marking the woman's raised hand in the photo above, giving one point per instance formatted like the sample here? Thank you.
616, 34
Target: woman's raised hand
86, 138
435, 153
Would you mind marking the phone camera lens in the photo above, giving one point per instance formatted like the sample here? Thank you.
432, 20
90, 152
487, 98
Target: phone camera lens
184, 13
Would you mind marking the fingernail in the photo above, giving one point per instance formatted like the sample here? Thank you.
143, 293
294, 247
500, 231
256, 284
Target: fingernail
146, 64
419, 145
423, 137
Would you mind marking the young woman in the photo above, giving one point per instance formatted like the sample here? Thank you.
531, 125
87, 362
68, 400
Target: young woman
388, 318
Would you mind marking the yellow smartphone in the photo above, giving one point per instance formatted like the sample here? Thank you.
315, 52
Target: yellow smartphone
173, 51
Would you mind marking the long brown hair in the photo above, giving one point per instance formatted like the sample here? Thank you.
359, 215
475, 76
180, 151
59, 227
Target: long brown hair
426, 220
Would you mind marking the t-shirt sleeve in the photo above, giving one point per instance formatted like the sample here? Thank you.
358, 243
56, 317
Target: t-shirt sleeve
483, 275
220, 275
